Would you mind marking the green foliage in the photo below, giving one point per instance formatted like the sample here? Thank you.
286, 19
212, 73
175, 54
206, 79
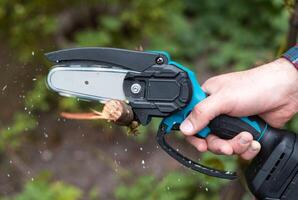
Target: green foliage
136, 23
174, 186
11, 136
293, 125
94, 194
36, 99
221, 162
233, 36
69, 104
179, 185
44, 189
19, 19
216, 29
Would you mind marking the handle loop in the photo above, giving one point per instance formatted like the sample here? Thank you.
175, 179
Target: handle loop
160, 137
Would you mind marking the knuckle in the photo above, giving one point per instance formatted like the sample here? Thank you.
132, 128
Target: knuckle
210, 81
278, 124
247, 136
216, 150
211, 85
204, 112
198, 112
279, 118
287, 116
219, 150
198, 109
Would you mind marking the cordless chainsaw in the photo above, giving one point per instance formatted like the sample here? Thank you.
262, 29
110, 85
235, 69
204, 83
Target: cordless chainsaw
155, 86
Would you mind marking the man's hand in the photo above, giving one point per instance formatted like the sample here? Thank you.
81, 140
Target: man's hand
270, 91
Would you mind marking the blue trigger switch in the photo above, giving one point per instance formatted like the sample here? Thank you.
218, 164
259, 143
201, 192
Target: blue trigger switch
204, 132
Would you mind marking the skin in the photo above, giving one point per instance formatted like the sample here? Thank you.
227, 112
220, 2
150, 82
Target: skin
270, 91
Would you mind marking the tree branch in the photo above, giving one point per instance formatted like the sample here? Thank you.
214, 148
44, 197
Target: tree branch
115, 111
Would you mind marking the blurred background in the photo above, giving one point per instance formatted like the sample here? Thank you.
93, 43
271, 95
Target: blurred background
45, 157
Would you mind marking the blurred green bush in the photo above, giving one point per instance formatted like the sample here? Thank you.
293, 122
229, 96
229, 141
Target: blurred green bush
42, 188
178, 185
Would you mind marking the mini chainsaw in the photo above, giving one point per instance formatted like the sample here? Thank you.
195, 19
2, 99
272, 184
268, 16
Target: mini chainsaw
156, 86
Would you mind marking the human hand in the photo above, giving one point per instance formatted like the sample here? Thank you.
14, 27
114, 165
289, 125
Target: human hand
270, 91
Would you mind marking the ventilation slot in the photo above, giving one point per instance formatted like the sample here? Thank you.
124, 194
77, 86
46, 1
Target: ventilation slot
275, 166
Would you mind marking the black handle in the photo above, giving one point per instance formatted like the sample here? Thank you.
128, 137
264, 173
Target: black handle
227, 127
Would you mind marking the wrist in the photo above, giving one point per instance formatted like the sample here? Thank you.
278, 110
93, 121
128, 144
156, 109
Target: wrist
292, 56
286, 66
289, 79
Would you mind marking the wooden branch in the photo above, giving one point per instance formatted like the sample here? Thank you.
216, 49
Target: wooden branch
115, 111
119, 112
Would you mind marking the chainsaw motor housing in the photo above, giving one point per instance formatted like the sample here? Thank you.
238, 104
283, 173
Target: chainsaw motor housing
273, 174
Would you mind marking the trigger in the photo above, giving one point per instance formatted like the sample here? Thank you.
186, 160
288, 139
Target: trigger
203, 133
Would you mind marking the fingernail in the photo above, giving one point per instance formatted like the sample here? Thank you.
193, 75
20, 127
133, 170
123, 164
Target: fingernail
255, 146
244, 140
186, 126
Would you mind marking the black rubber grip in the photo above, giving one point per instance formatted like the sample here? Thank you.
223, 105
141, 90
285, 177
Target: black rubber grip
227, 127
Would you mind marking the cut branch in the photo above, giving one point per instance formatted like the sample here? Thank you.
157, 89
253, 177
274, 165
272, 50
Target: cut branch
114, 110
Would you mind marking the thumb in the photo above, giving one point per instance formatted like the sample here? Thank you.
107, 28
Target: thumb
202, 114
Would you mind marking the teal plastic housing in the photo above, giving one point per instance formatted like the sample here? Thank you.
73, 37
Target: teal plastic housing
197, 96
